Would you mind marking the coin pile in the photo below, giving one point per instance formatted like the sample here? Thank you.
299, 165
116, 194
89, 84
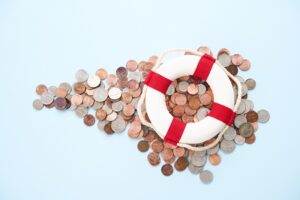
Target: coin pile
111, 100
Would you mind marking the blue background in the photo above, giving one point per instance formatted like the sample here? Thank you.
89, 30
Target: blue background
52, 155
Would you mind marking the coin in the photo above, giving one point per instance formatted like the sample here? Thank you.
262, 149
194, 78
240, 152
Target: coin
194, 169
239, 120
213, 150
117, 106
134, 129
128, 110
252, 116
79, 88
206, 177
81, 111
205, 49
46, 98
195, 102
81, 75
143, 146
131, 65
251, 139
179, 151
157, 146
112, 79
60, 103
214, 159
205, 99
198, 159
239, 139
121, 72
66, 86
227, 146
89, 120
93, 81
167, 170
102, 73
192, 89
153, 158
40, 89
245, 65
114, 93
37, 104
112, 116
232, 69
230, 133
224, 59
263, 116
183, 86
236, 59
181, 164
201, 89
107, 129
118, 125
246, 129
88, 101
76, 99
250, 83
100, 94
180, 99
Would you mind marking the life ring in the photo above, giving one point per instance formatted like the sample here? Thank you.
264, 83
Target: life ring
171, 129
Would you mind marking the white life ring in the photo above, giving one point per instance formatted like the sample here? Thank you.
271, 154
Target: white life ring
171, 129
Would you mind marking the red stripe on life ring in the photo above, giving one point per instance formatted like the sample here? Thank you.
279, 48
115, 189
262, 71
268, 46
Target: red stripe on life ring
204, 67
157, 82
175, 131
222, 113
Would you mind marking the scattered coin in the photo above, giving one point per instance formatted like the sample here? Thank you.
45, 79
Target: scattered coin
206, 177
227, 146
246, 130
47, 98
263, 116
60, 103
40, 89
81, 75
167, 170
37, 104
214, 159
143, 146
239, 139
181, 164
153, 158
89, 120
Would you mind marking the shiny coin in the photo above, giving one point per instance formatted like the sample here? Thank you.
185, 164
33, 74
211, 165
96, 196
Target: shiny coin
76, 99
167, 170
81, 75
40, 89
79, 88
263, 116
114, 93
93, 81
37, 104
246, 129
245, 65
100, 94
46, 98
143, 146
214, 159
250, 83
227, 146
224, 59
183, 86
206, 177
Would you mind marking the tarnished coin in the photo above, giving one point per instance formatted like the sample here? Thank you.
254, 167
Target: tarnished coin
227, 146
100, 94
114, 93
89, 120
246, 129
194, 169
93, 81
143, 146
181, 164
251, 139
167, 170
157, 146
47, 98
239, 139
81, 75
37, 104
153, 158
121, 72
118, 125
206, 177
252, 116
107, 129
60, 103
224, 59
263, 116
40, 89
230, 133
250, 83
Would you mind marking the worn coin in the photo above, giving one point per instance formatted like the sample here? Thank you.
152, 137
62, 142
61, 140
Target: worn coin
167, 170
181, 163
263, 116
206, 176
153, 158
252, 116
93, 81
246, 129
143, 146
60, 103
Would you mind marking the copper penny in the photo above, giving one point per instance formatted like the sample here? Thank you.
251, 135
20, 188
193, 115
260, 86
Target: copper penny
192, 89
128, 110
251, 116
251, 139
61, 92
101, 114
102, 73
167, 154
178, 111
79, 88
179, 151
237, 59
121, 72
153, 158
205, 99
181, 164
214, 159
180, 99
131, 65
232, 69
167, 170
76, 99
157, 146
112, 79
89, 120
245, 65
60, 103
143, 146
40, 89
107, 129
126, 97
194, 102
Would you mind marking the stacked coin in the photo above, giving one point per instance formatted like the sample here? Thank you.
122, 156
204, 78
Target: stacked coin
187, 98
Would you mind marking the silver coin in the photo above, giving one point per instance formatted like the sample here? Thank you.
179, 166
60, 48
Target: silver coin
244, 89
250, 83
230, 133
263, 116
198, 160
241, 79
202, 113
52, 90
194, 169
206, 176
118, 125
135, 76
100, 94
213, 150
239, 139
107, 108
37, 104
171, 90
224, 59
47, 98
94, 81
183, 86
81, 111
112, 116
201, 89
241, 109
97, 105
239, 119
117, 106
134, 102
227, 146
200, 153
246, 129
66, 86
81, 75
114, 93
101, 124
